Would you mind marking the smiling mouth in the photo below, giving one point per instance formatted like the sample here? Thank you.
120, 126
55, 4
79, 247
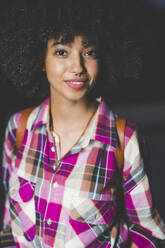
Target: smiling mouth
76, 80
76, 84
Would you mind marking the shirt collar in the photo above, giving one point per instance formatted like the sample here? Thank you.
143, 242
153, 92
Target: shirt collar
103, 128
42, 117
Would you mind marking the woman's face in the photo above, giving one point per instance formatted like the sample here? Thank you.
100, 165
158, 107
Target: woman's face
71, 68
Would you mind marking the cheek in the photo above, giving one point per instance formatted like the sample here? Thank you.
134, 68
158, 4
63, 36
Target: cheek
93, 70
54, 69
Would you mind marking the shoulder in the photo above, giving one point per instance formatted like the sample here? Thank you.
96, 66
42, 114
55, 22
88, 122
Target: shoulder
109, 113
126, 131
33, 113
130, 129
108, 125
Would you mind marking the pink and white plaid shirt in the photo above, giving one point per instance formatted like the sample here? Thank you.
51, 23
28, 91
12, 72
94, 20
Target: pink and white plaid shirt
73, 206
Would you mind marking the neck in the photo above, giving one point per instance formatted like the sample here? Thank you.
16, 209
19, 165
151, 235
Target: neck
69, 115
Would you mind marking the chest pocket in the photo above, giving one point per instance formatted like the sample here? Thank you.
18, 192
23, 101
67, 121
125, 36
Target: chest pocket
92, 211
22, 205
88, 215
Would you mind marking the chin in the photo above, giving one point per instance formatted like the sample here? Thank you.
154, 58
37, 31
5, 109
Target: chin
77, 96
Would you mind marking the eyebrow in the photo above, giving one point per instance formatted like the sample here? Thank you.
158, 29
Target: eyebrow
86, 44
56, 43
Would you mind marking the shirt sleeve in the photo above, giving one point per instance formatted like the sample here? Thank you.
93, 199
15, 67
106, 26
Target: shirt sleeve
9, 152
138, 200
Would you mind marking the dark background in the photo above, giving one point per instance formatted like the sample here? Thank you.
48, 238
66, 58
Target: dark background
142, 101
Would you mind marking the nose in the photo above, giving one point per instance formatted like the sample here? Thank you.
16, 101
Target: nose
77, 64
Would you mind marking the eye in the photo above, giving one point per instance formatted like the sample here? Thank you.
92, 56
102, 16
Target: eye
61, 53
91, 53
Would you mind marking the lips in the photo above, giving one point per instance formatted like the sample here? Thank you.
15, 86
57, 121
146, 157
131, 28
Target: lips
76, 83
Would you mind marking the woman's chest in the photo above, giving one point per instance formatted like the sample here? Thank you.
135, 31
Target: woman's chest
87, 170
80, 191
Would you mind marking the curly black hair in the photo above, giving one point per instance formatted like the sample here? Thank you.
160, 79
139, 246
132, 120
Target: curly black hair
27, 25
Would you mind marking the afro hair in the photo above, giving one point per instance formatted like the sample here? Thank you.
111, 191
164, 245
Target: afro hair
26, 26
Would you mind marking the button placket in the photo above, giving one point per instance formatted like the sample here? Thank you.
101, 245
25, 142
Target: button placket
55, 185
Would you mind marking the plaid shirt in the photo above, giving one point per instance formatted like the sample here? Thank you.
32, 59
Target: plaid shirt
74, 205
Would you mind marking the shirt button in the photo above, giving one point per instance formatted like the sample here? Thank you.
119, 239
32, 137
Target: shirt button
49, 221
55, 185
52, 149
85, 145
13, 191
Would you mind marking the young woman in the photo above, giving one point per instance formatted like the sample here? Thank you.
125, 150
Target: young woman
61, 183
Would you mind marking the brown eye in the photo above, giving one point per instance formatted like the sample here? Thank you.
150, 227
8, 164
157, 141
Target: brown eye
91, 53
61, 52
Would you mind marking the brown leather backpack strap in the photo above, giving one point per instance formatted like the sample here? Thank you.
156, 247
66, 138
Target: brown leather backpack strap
22, 126
119, 152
